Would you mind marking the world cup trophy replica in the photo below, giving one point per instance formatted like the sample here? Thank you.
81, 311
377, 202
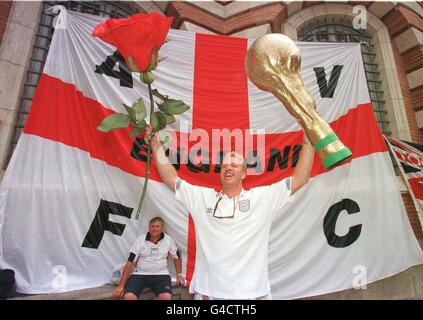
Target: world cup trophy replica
273, 64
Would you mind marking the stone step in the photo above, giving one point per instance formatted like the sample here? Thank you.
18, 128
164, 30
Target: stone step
101, 293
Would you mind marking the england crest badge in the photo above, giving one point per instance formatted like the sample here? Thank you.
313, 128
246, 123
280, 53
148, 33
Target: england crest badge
244, 205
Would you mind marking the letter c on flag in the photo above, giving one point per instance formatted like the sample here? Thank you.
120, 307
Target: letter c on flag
329, 224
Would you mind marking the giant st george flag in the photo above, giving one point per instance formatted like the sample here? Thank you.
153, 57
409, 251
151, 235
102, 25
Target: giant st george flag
68, 196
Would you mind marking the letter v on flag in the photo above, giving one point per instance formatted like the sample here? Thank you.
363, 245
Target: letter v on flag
64, 173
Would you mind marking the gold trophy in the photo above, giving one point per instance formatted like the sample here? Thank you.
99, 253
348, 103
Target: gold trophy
273, 64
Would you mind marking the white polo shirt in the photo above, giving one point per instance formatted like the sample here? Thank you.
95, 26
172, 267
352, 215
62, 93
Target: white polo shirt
232, 253
151, 258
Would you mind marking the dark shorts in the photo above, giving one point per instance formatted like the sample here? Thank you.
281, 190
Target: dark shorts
157, 283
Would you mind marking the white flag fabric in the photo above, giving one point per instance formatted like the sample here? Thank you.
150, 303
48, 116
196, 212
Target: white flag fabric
68, 197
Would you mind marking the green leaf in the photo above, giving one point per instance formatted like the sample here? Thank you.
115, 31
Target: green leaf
139, 110
130, 111
161, 119
114, 121
132, 66
171, 106
136, 131
139, 124
154, 121
158, 121
169, 118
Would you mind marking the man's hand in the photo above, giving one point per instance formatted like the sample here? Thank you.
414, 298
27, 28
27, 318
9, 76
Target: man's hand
154, 137
304, 165
118, 293
166, 170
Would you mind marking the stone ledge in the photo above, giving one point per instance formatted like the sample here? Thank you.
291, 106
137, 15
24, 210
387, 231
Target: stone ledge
101, 293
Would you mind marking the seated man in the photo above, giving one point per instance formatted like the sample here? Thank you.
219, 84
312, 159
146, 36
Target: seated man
149, 257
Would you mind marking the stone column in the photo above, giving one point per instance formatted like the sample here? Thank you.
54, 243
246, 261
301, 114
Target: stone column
15, 52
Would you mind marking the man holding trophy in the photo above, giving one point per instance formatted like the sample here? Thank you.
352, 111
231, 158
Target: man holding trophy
233, 225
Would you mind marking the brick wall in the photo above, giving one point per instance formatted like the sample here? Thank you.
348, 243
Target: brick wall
416, 134
5, 7
273, 14
413, 58
399, 20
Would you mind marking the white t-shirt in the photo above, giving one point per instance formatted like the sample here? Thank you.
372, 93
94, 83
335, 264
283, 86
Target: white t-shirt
232, 253
151, 258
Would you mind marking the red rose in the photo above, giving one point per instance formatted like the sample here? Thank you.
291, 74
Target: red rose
138, 36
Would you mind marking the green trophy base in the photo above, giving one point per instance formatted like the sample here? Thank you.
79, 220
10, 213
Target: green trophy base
335, 158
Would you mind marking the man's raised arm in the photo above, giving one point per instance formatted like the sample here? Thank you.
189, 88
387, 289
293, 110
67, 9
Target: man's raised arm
304, 165
166, 170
